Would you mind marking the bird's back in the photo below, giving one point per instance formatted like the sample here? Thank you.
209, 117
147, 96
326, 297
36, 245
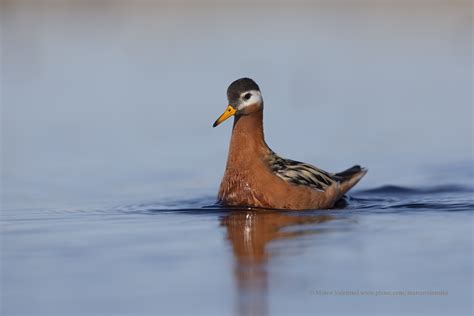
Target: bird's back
300, 173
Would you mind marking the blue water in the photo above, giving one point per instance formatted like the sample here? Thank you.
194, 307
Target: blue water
192, 257
110, 166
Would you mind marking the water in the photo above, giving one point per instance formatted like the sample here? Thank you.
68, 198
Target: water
191, 257
110, 166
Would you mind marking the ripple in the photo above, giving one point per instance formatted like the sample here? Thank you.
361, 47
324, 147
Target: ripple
205, 204
400, 190
383, 199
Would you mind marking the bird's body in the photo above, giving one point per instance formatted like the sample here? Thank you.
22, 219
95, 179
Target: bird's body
255, 176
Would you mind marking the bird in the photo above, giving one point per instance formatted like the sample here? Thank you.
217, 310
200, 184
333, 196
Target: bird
256, 177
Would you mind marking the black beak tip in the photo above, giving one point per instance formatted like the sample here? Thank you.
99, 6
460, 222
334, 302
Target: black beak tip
215, 124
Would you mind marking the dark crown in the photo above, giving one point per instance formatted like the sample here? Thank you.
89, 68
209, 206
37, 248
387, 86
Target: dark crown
240, 86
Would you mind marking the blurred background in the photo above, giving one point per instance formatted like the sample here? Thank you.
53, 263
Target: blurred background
107, 102
108, 156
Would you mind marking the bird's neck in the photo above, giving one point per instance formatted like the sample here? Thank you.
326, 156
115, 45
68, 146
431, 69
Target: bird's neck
247, 141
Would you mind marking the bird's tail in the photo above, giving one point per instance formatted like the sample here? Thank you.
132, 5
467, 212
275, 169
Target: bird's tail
348, 178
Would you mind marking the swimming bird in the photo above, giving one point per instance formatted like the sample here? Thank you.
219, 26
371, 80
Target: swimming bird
255, 176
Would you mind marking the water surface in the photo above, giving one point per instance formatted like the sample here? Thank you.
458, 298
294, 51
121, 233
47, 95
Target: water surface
391, 250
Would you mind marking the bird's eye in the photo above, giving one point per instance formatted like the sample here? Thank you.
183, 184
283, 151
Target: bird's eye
247, 96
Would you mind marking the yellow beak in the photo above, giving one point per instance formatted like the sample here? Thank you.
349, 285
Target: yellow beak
230, 111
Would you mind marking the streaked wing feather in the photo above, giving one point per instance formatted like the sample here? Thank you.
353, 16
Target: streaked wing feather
300, 173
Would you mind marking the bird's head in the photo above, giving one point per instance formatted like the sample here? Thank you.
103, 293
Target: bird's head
244, 98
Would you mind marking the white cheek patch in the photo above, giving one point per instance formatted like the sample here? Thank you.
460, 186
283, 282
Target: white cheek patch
256, 98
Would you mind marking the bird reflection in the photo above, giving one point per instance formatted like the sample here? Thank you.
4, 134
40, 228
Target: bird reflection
249, 232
